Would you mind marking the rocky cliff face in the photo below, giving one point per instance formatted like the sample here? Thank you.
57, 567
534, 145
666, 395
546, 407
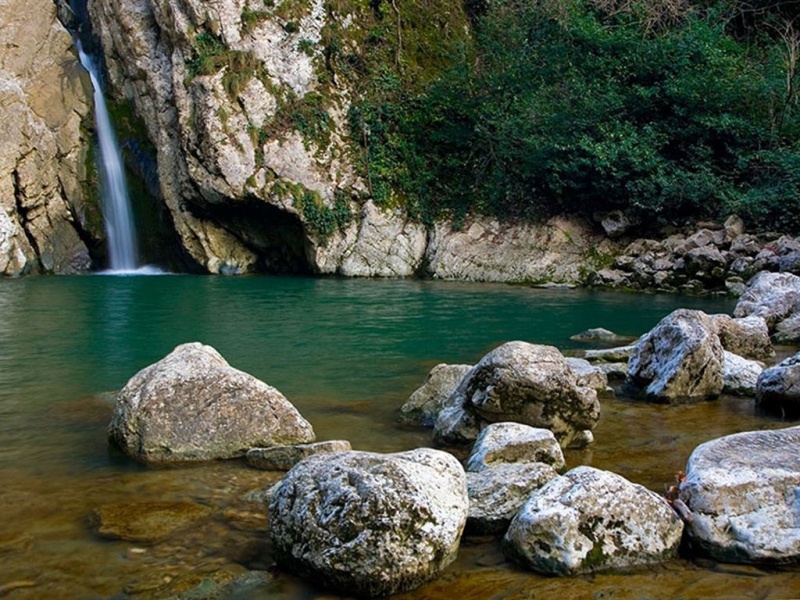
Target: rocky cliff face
45, 220
249, 120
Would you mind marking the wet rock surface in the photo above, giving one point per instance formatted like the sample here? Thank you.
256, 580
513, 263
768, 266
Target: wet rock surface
283, 458
146, 523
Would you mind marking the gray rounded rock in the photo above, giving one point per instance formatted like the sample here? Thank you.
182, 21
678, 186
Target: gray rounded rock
680, 358
591, 520
742, 490
193, 406
740, 375
525, 383
746, 336
370, 524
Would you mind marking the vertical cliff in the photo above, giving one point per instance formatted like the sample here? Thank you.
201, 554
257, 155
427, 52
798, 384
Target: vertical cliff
46, 221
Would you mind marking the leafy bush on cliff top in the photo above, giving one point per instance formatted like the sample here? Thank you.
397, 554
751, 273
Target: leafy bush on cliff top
591, 105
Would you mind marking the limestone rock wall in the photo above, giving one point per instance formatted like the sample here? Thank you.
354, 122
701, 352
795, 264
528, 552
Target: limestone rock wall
45, 220
254, 163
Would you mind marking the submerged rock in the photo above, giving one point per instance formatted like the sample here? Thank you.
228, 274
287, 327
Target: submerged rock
600, 335
192, 405
370, 524
524, 383
591, 520
146, 522
425, 404
283, 458
778, 388
680, 358
742, 490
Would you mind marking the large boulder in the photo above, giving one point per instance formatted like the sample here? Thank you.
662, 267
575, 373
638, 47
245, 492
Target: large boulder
680, 358
742, 490
427, 401
503, 443
773, 296
778, 388
370, 524
192, 406
592, 520
525, 383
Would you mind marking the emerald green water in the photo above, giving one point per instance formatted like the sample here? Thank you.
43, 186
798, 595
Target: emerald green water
347, 353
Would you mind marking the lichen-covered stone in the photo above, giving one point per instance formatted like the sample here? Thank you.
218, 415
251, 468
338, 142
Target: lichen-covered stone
742, 490
680, 358
192, 405
590, 520
427, 401
524, 383
370, 524
502, 443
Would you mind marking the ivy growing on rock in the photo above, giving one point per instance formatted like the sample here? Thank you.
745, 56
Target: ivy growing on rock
668, 109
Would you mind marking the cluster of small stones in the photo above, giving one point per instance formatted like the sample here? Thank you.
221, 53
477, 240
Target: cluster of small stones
715, 258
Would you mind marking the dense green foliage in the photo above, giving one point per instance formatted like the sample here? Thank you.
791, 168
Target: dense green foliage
665, 108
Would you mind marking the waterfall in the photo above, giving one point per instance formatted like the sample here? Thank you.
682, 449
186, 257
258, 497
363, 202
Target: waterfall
120, 228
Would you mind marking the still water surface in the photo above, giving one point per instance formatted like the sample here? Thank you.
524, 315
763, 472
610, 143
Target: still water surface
347, 354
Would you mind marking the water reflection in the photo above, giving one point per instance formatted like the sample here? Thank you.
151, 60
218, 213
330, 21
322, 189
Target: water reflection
347, 353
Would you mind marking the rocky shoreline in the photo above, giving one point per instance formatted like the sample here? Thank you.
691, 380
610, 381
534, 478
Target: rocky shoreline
374, 524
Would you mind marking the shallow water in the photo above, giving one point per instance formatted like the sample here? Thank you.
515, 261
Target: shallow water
347, 354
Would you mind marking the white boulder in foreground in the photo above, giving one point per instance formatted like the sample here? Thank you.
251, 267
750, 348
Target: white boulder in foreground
744, 493
193, 406
370, 524
591, 520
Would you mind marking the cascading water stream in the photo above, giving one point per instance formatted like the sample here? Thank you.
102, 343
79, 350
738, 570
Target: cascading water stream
120, 228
